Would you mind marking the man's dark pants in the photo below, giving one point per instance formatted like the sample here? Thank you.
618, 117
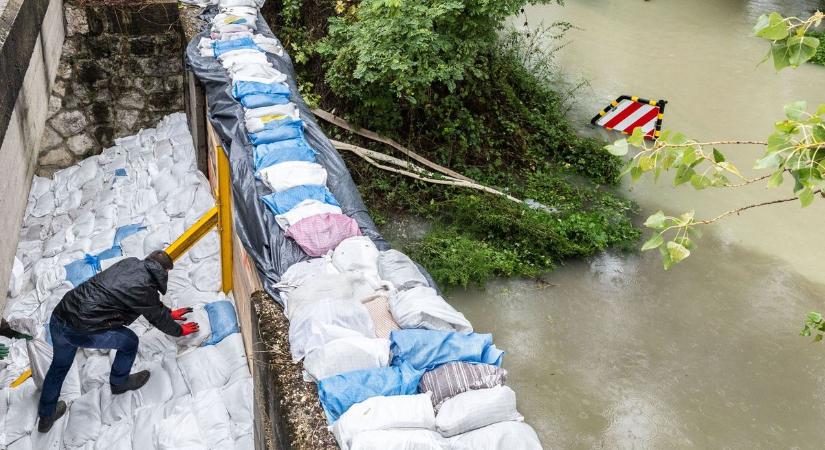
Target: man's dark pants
65, 342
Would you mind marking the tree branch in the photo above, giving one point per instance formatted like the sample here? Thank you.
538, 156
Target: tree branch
744, 208
337, 121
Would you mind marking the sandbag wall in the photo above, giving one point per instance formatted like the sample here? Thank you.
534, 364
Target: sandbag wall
133, 198
395, 365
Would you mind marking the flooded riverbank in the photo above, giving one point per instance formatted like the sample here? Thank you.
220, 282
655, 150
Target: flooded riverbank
618, 353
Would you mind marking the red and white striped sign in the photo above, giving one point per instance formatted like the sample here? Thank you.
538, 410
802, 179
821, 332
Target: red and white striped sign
629, 114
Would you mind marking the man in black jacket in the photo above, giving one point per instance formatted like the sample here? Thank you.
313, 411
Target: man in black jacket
95, 315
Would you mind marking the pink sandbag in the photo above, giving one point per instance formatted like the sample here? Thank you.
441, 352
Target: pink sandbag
321, 233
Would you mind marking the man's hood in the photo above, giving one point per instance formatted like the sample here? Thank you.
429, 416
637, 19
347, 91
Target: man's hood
158, 273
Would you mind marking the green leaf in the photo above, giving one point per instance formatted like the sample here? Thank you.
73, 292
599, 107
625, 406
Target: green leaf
718, 156
646, 163
781, 55
820, 110
636, 173
771, 161
685, 242
700, 181
666, 261
778, 142
801, 49
796, 110
656, 221
775, 179
686, 218
637, 138
618, 148
683, 175
678, 139
806, 197
819, 132
814, 317
771, 27
653, 242
677, 251
729, 167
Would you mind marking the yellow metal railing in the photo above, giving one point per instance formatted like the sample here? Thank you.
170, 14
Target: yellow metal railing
220, 215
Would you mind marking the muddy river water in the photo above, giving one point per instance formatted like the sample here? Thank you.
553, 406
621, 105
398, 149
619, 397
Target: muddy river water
621, 354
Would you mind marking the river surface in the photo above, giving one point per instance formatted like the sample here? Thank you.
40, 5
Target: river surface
621, 354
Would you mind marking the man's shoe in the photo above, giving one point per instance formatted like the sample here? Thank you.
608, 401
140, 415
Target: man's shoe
135, 381
45, 423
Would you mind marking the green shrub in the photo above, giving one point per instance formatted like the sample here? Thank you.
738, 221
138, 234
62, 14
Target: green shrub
455, 259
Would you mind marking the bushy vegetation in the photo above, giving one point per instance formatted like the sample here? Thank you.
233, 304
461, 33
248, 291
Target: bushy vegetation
446, 79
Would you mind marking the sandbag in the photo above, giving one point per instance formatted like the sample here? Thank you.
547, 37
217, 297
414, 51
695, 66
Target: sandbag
512, 435
237, 398
402, 439
215, 365
422, 307
400, 270
306, 208
213, 420
223, 321
18, 279
384, 413
282, 176
379, 309
476, 409
84, 420
338, 393
309, 270
326, 320
427, 349
196, 339
451, 379
179, 432
318, 234
345, 355
357, 254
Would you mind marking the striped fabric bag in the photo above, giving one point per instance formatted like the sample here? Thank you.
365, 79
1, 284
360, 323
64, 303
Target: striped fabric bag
453, 378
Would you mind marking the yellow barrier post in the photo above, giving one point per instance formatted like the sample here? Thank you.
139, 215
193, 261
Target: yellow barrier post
220, 215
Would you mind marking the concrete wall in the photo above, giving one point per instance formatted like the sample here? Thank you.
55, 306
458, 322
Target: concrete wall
18, 151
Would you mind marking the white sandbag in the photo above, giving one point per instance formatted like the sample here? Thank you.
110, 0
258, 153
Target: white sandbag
214, 365
203, 200
301, 272
68, 203
105, 218
400, 270
237, 398
114, 408
87, 170
95, 372
52, 439
155, 217
179, 202
179, 432
45, 205
145, 421
21, 415
384, 413
334, 287
159, 238
345, 355
157, 390
116, 436
40, 358
102, 241
282, 176
144, 200
245, 442
84, 419
40, 185
422, 307
200, 316
404, 439
357, 254
306, 208
84, 225
132, 245
19, 278
176, 380
324, 321
54, 244
213, 419
47, 275
21, 313
29, 252
206, 275
511, 435
206, 247
475, 409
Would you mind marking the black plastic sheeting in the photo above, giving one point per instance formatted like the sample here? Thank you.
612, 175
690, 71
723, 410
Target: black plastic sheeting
255, 225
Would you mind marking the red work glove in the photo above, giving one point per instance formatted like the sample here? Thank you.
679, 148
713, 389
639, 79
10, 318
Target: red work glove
189, 328
179, 313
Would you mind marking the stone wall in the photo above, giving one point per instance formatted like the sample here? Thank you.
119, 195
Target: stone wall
121, 70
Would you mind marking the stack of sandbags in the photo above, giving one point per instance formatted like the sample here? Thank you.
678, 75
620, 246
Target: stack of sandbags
135, 197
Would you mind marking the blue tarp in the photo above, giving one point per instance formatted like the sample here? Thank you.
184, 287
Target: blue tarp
339, 392
277, 152
427, 349
125, 231
222, 320
285, 130
281, 202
